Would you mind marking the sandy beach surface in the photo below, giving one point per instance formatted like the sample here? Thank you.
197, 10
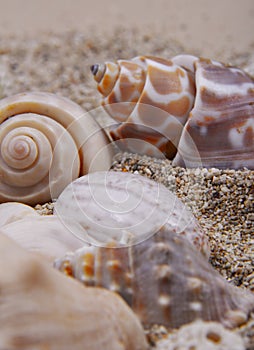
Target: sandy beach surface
211, 27
49, 46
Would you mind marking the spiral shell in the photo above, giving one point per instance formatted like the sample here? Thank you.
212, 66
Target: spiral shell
158, 270
196, 111
46, 141
42, 309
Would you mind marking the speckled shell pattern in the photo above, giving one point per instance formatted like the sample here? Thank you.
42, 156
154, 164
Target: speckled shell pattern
196, 111
164, 279
106, 207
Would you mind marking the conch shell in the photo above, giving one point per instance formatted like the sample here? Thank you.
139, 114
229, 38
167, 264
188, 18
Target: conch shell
149, 251
46, 141
164, 279
196, 111
43, 309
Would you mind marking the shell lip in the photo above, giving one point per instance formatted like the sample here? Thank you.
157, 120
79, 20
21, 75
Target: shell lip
94, 68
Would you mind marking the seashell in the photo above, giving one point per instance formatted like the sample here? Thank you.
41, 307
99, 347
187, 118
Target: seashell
196, 111
44, 235
202, 335
42, 309
158, 270
164, 279
46, 141
105, 207
14, 211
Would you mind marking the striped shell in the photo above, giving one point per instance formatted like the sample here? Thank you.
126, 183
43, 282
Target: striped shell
159, 272
41, 309
46, 141
196, 111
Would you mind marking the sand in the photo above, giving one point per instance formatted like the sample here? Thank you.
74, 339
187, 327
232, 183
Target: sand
50, 46
211, 27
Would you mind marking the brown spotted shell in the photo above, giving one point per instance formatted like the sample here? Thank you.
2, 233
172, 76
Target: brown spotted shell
196, 111
160, 273
164, 279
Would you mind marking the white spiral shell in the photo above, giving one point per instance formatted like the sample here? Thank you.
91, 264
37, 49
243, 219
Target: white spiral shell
196, 111
46, 141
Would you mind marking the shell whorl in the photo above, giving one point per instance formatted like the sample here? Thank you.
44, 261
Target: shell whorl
46, 141
196, 111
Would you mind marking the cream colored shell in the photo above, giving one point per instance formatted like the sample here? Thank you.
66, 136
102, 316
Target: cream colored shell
46, 141
42, 309
44, 235
200, 335
14, 211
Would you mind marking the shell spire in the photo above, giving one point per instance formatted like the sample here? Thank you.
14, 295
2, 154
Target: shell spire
106, 76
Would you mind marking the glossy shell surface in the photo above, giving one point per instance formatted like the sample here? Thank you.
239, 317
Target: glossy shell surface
46, 141
196, 111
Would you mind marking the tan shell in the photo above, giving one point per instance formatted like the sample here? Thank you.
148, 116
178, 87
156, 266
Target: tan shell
14, 211
45, 235
46, 141
42, 309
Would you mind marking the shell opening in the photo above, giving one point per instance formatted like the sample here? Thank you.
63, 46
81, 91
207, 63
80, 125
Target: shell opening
98, 71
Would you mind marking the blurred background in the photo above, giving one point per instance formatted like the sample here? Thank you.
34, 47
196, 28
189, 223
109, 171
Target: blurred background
205, 25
